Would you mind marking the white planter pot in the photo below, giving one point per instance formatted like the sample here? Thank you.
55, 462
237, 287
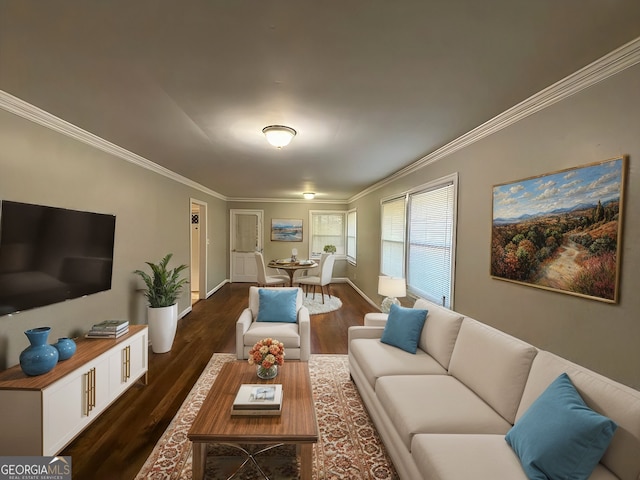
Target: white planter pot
163, 322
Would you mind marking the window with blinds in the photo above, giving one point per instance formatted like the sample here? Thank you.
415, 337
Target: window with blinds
392, 241
430, 252
327, 228
351, 236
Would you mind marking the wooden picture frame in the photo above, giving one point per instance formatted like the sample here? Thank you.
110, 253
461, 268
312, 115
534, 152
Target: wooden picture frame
286, 230
562, 231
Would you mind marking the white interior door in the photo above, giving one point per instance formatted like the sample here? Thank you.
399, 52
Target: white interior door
246, 239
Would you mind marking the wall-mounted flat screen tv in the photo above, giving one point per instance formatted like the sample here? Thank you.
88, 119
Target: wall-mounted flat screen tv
49, 254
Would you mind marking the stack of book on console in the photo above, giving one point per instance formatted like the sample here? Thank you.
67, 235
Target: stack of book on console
109, 329
258, 399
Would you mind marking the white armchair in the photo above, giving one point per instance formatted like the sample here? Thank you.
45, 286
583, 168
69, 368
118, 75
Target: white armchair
296, 337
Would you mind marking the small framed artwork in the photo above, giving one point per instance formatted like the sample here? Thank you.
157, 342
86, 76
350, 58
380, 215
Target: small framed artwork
562, 231
286, 230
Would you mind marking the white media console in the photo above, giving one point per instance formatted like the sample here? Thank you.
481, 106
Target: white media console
41, 415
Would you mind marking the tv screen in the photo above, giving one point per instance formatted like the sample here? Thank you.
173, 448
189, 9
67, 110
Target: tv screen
49, 254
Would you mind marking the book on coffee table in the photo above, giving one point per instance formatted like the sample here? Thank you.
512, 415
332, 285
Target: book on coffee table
258, 399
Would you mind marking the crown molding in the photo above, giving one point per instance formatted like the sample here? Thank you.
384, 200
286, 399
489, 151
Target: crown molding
34, 114
611, 64
286, 200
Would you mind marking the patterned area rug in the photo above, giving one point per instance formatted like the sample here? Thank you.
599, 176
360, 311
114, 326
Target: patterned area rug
316, 306
348, 447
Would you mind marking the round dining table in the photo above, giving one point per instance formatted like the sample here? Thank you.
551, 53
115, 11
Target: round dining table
291, 267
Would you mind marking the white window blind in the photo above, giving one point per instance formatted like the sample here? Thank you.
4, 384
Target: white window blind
392, 242
430, 243
327, 228
351, 236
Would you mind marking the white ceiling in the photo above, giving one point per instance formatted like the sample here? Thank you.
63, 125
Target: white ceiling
371, 86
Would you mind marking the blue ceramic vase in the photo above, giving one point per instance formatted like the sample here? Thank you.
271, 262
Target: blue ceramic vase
66, 348
39, 357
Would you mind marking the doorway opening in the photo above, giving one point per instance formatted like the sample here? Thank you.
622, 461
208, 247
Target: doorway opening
199, 241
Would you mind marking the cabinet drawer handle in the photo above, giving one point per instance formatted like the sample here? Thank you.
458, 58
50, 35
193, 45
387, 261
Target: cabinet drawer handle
89, 391
93, 388
126, 363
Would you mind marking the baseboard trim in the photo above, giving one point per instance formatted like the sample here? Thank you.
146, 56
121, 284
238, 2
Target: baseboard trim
362, 294
218, 287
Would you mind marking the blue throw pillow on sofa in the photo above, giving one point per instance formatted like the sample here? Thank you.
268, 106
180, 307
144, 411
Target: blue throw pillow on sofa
277, 305
559, 436
403, 327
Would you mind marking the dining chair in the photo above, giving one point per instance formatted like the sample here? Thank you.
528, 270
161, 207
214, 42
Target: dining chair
323, 279
310, 272
265, 280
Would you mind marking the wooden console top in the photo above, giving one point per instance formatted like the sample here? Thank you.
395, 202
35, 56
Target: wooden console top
87, 349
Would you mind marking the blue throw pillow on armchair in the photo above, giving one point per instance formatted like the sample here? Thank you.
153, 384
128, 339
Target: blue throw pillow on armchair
277, 305
559, 436
403, 327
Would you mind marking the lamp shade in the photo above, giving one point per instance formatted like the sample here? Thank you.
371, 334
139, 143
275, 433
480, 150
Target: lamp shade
279, 135
391, 286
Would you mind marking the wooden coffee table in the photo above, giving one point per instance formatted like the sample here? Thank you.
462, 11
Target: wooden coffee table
295, 425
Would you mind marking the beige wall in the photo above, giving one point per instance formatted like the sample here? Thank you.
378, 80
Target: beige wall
40, 166
599, 123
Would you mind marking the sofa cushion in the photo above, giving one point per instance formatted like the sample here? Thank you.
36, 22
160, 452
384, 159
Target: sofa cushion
477, 457
559, 437
287, 333
607, 397
403, 327
435, 404
492, 364
460, 456
377, 359
277, 305
440, 331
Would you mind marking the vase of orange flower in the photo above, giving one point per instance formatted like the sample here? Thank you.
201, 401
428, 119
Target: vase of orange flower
267, 355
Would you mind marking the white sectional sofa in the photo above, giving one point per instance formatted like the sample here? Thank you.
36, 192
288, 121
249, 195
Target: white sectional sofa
444, 411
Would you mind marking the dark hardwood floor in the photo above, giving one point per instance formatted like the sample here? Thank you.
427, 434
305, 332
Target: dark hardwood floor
118, 442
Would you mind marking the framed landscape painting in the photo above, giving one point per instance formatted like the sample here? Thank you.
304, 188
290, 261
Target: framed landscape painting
561, 231
286, 230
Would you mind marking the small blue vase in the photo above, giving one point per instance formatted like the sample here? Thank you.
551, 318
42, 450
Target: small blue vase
66, 348
39, 357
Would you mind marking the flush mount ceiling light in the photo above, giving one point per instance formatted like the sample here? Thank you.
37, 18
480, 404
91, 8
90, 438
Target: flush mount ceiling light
309, 195
278, 135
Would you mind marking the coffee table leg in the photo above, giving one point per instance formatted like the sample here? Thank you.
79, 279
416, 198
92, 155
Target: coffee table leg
305, 451
199, 460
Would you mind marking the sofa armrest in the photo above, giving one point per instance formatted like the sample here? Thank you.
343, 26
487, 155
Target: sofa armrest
375, 319
304, 329
242, 325
364, 332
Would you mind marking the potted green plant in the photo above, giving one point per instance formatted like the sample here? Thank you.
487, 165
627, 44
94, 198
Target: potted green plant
330, 248
164, 286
